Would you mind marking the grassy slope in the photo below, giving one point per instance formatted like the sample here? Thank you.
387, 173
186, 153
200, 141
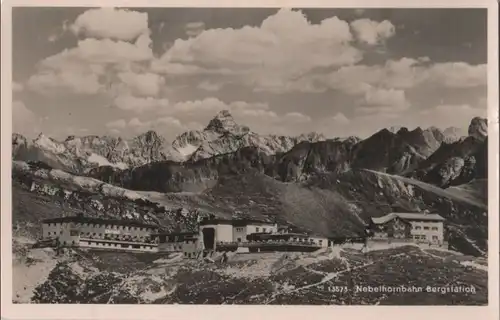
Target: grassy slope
327, 204
29, 208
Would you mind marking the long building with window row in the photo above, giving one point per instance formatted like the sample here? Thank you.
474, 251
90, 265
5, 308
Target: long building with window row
90, 232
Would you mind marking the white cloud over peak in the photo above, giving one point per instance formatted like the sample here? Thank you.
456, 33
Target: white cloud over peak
119, 24
458, 74
285, 46
404, 73
384, 100
372, 32
296, 117
142, 84
84, 69
194, 28
131, 103
48, 83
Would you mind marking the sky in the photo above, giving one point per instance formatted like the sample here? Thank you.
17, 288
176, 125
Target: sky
341, 72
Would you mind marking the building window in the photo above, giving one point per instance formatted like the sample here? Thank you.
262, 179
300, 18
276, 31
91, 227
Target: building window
418, 227
239, 229
434, 238
435, 228
320, 241
239, 239
263, 229
426, 228
257, 229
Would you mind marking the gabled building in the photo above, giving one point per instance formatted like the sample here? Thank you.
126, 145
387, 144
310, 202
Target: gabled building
419, 227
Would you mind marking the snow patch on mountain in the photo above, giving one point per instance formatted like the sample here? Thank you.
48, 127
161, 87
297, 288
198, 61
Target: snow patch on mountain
102, 161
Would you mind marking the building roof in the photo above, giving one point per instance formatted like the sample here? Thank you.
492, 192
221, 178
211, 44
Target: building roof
83, 219
175, 234
408, 216
235, 222
265, 235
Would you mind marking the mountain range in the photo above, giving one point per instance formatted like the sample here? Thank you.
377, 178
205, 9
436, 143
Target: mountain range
78, 154
325, 186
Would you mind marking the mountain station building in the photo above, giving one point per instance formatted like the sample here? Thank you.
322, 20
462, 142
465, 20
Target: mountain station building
80, 231
415, 227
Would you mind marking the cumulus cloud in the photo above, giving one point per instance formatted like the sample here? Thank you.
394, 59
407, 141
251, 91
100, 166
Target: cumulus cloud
118, 40
24, 121
142, 84
64, 82
397, 74
139, 104
99, 52
458, 74
372, 32
210, 86
194, 28
119, 24
384, 100
285, 46
359, 12
294, 117
85, 68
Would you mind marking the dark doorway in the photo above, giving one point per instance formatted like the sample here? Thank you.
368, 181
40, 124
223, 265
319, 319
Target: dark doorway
209, 238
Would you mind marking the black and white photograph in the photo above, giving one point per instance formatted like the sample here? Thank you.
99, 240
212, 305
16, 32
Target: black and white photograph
251, 156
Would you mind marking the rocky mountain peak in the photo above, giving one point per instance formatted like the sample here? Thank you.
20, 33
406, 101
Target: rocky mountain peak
150, 136
478, 128
222, 123
453, 134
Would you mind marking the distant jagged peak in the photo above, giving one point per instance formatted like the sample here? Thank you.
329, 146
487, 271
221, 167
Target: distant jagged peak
478, 128
405, 130
19, 139
312, 136
394, 129
49, 143
453, 134
385, 133
417, 130
349, 139
223, 123
149, 137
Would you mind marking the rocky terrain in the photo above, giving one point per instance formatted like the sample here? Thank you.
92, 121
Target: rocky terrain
331, 276
458, 162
